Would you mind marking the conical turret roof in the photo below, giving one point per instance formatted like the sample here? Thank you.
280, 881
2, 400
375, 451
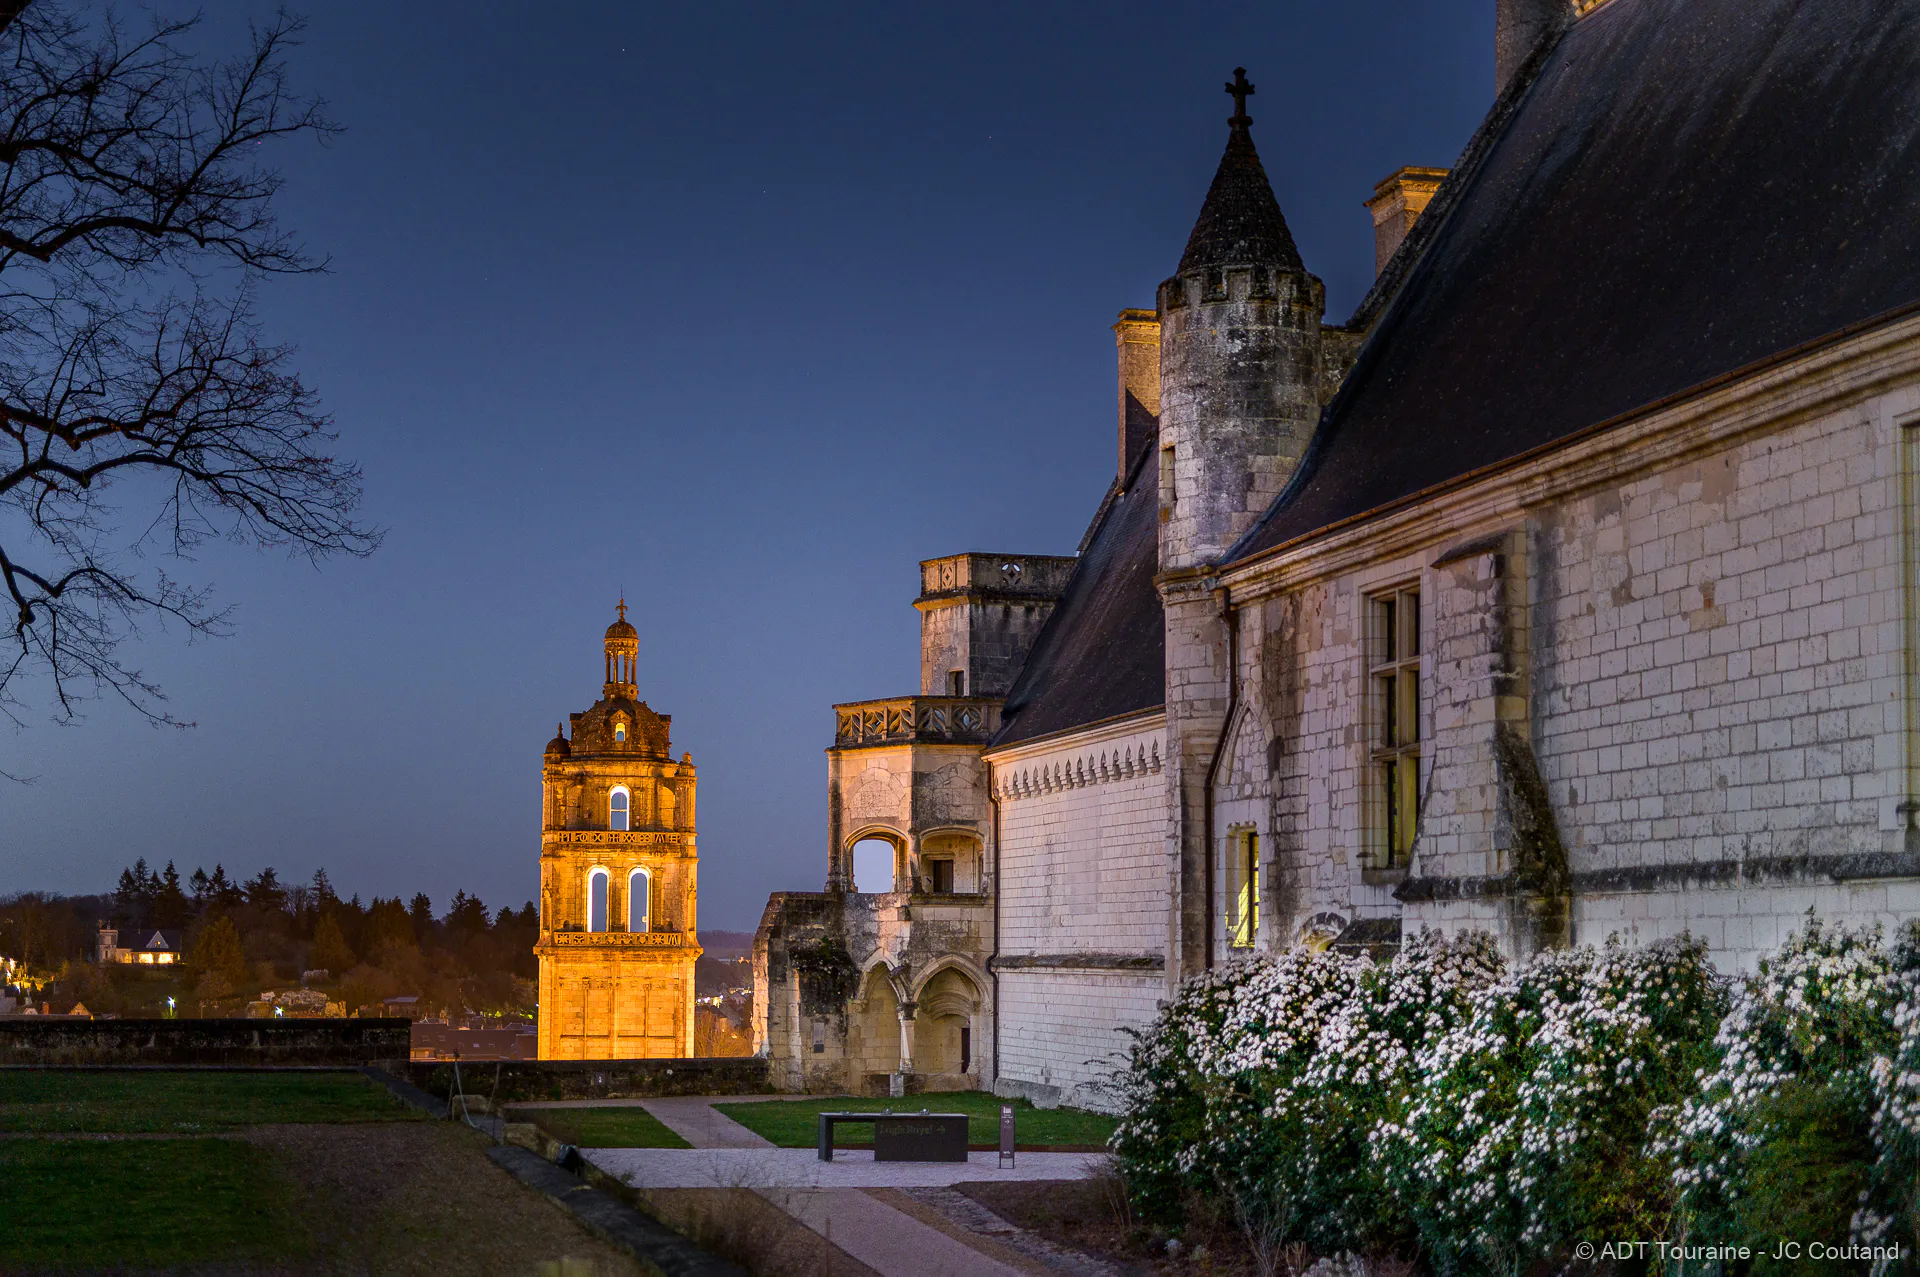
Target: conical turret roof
1240, 224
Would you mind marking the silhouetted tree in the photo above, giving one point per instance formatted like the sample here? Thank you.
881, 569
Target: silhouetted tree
170, 906
263, 891
330, 947
421, 914
142, 410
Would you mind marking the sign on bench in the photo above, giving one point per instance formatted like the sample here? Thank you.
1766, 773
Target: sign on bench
904, 1137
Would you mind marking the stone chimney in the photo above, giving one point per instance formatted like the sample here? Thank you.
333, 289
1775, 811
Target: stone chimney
1520, 27
1136, 337
1396, 205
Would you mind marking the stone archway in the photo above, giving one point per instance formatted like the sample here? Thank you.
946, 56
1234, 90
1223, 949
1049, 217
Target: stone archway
947, 1044
873, 1037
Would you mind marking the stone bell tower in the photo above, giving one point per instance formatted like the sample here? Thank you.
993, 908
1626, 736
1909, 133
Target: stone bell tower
618, 877
1240, 350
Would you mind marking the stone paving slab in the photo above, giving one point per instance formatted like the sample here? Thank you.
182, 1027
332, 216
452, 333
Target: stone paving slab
794, 1168
886, 1240
694, 1119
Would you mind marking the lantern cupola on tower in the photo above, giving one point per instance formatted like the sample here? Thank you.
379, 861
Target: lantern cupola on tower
623, 651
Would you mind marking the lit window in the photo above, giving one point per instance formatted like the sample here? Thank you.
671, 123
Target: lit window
1395, 709
617, 809
639, 900
1243, 889
619, 731
597, 900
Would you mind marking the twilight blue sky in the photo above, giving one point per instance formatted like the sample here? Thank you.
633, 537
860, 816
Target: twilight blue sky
743, 308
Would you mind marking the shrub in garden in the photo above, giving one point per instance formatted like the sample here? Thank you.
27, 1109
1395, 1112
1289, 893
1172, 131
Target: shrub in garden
1813, 1065
1201, 1081
1526, 1127
1363, 1072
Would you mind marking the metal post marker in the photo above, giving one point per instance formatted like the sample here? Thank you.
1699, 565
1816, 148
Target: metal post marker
1006, 1138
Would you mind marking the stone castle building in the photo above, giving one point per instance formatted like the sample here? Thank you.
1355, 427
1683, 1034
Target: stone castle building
1568, 588
618, 877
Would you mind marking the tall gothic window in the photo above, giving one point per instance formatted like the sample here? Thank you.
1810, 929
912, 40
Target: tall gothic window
597, 900
1243, 889
617, 809
1395, 709
639, 900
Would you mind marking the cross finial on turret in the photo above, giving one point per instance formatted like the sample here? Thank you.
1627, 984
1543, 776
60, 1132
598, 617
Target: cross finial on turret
622, 605
1240, 90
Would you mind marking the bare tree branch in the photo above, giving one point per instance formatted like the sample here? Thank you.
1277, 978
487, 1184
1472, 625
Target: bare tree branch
134, 214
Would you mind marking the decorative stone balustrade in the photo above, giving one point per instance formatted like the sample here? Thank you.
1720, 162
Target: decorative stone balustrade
622, 939
916, 720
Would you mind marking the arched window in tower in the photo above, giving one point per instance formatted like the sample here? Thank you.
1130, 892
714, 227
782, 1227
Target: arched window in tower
620, 730
639, 900
597, 900
617, 808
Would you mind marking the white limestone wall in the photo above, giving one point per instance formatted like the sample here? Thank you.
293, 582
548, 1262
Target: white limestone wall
1061, 1036
1715, 689
1084, 903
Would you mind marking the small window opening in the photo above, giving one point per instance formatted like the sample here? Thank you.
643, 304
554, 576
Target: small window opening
873, 865
617, 810
639, 901
966, 1049
1396, 713
597, 901
941, 874
956, 682
619, 731
1243, 889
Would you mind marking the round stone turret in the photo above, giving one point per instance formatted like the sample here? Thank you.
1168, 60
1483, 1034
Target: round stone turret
1239, 359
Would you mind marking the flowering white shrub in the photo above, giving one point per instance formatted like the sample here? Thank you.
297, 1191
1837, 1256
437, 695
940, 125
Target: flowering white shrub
1202, 1078
1362, 1073
1526, 1129
1780, 1138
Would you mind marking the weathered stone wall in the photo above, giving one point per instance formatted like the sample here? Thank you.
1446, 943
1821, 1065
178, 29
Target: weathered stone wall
1083, 907
51, 1042
1664, 690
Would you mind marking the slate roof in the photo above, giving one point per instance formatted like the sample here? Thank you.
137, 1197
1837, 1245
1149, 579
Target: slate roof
1103, 651
1240, 222
1688, 188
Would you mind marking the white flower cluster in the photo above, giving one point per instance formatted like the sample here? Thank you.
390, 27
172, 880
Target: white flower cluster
1814, 1010
1526, 1115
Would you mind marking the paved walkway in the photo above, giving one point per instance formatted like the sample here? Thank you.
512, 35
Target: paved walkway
770, 1167
831, 1198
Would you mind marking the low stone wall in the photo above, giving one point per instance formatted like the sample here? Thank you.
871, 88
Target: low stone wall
56, 1043
521, 1080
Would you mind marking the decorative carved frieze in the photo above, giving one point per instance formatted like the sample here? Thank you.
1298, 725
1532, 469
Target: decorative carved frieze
1097, 767
632, 839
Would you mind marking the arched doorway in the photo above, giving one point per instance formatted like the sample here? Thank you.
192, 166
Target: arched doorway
873, 1046
945, 1014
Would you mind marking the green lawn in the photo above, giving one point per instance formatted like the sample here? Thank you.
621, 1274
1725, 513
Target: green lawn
795, 1123
155, 1203
139, 1102
623, 1126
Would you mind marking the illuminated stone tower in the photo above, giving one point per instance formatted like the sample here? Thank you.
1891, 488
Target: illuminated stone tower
618, 868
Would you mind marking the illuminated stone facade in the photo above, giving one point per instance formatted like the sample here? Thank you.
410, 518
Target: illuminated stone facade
618, 870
